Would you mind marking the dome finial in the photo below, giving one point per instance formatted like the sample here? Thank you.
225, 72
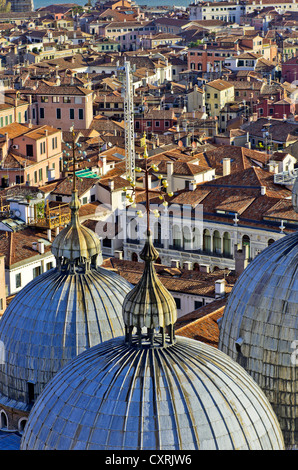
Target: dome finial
149, 307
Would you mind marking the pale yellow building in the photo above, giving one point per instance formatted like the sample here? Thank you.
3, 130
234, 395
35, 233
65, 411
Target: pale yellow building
217, 94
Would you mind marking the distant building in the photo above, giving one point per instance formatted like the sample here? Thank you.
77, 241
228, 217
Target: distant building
218, 93
22, 5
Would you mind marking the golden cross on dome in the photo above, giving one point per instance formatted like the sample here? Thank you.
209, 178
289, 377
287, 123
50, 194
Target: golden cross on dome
74, 146
146, 170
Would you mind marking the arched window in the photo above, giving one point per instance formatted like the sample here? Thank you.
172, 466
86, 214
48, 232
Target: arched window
270, 241
133, 229
196, 267
216, 242
246, 243
226, 244
206, 240
196, 239
22, 424
157, 234
187, 238
177, 240
3, 420
134, 257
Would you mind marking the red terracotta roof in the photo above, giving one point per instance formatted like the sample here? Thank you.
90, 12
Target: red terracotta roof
201, 324
17, 246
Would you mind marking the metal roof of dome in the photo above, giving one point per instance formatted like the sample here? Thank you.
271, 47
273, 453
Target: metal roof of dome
151, 390
186, 396
149, 304
260, 326
75, 241
51, 320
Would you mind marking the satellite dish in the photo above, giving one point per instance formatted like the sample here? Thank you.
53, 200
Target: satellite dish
180, 143
39, 195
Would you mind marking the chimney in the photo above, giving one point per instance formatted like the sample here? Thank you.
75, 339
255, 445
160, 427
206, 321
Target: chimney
40, 247
118, 254
204, 268
220, 288
226, 166
49, 234
104, 165
192, 185
187, 265
273, 167
175, 263
170, 171
111, 185
247, 143
263, 190
241, 259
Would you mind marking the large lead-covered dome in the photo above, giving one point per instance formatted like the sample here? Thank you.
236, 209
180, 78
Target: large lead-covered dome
75, 241
51, 320
58, 315
186, 396
152, 390
259, 328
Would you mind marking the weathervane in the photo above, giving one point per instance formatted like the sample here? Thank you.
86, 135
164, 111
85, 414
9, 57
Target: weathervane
149, 309
82, 154
131, 191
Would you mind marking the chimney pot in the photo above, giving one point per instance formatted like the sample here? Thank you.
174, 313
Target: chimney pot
204, 268
226, 166
175, 263
118, 254
220, 288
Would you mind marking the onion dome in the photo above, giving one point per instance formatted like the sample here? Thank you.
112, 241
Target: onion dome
149, 390
259, 328
59, 315
75, 242
149, 304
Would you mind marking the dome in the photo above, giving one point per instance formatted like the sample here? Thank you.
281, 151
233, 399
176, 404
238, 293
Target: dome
51, 320
149, 304
58, 315
151, 390
75, 241
260, 326
186, 396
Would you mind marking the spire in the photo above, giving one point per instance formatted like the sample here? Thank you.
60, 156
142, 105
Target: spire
149, 309
76, 246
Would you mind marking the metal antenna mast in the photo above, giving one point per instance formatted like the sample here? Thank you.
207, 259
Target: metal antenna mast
129, 123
